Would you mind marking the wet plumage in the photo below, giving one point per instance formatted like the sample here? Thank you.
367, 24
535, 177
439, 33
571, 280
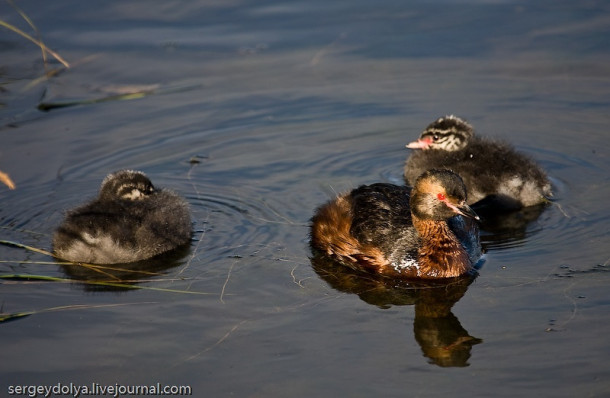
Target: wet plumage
427, 232
129, 221
492, 171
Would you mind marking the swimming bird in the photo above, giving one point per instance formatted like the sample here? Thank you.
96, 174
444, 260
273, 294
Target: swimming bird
492, 171
427, 232
129, 221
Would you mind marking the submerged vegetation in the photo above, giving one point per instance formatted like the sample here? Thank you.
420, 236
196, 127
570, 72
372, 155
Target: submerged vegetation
109, 278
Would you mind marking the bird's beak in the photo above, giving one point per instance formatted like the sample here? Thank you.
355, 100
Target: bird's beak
462, 209
466, 211
419, 144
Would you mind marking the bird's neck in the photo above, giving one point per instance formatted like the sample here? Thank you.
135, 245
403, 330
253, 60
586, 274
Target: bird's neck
441, 255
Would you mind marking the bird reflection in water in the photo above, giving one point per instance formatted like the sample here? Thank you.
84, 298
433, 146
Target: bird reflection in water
437, 330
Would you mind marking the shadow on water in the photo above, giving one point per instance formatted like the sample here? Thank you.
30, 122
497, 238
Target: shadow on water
437, 330
503, 230
123, 277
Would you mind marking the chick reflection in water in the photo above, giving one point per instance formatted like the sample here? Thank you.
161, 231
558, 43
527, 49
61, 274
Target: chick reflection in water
123, 277
437, 330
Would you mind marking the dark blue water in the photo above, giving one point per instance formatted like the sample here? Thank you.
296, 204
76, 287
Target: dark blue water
258, 113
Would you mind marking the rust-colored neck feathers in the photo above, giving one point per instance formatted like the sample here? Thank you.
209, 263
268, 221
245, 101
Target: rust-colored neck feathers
440, 255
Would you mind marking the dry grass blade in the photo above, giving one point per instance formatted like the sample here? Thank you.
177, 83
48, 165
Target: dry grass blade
7, 180
30, 248
128, 95
32, 262
19, 315
94, 267
14, 316
31, 23
115, 282
47, 106
45, 278
39, 43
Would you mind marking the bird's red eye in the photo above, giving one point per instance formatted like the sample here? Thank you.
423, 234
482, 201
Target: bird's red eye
441, 196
